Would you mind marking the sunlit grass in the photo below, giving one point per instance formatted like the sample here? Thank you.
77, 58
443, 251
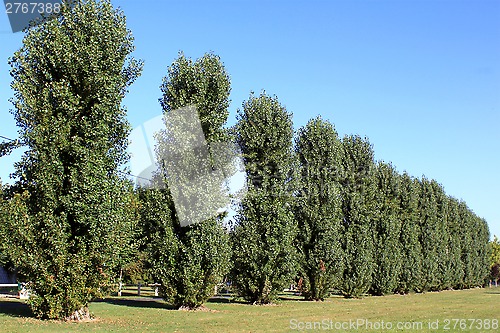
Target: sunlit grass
146, 314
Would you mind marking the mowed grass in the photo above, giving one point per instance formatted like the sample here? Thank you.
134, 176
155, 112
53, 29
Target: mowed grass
147, 314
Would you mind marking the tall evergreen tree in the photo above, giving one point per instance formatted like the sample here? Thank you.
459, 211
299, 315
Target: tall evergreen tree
69, 78
454, 246
467, 245
189, 261
443, 237
358, 206
387, 228
410, 277
429, 235
319, 208
480, 238
263, 238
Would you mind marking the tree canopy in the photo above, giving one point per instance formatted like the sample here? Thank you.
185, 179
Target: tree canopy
72, 209
189, 261
263, 239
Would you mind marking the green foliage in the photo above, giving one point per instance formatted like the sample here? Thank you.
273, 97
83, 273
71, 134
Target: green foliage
131, 264
387, 228
429, 235
325, 211
475, 253
263, 238
358, 207
454, 246
319, 208
5, 260
263, 253
73, 212
495, 251
203, 83
444, 276
410, 278
481, 236
190, 261
7, 147
467, 246
136, 270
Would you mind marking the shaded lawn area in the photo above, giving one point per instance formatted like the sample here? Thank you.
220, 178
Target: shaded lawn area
147, 314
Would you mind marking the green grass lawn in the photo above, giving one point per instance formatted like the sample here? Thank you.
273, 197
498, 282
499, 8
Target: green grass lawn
147, 314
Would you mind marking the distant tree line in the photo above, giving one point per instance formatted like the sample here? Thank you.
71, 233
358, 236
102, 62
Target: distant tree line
319, 212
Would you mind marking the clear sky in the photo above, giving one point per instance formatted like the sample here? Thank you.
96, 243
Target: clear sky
421, 79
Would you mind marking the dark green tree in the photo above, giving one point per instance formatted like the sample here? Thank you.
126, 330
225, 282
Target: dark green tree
443, 237
189, 261
429, 235
467, 245
475, 251
203, 83
5, 261
186, 261
319, 208
129, 267
387, 228
73, 210
358, 207
480, 238
454, 244
410, 277
12, 210
263, 238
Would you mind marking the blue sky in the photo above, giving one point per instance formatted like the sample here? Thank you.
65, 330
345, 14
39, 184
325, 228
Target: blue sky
421, 79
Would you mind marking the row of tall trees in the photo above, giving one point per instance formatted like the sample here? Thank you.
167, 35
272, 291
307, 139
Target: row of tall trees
318, 210
339, 221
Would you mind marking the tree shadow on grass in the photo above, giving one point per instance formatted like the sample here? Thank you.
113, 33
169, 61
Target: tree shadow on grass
238, 300
138, 302
225, 300
158, 303
293, 298
15, 308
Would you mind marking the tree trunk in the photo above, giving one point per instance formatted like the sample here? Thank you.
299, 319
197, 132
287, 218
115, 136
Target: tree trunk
120, 284
80, 315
